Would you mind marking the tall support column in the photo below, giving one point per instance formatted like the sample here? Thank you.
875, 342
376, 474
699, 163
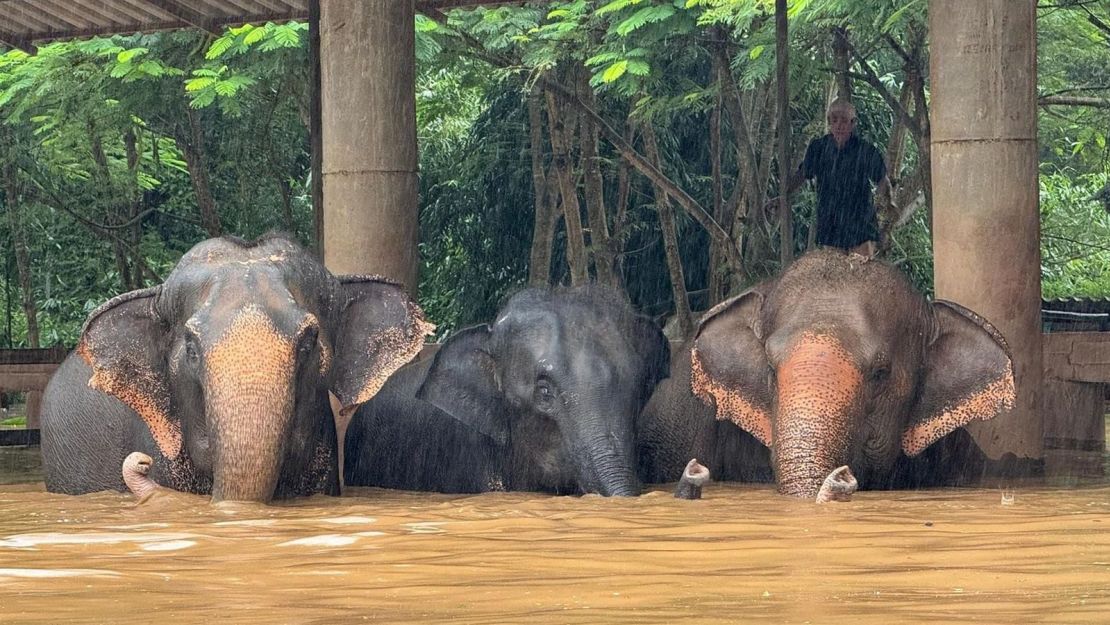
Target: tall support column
367, 67
986, 221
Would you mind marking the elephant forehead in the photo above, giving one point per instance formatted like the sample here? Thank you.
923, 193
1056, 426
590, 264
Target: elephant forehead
227, 301
224, 250
818, 368
848, 330
532, 335
253, 350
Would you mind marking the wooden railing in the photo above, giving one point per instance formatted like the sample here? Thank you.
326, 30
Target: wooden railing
27, 370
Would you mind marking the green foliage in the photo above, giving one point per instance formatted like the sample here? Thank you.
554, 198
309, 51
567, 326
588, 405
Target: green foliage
1075, 236
648, 61
209, 85
74, 100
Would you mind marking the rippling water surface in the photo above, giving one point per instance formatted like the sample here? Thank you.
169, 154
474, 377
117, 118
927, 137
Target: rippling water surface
741, 554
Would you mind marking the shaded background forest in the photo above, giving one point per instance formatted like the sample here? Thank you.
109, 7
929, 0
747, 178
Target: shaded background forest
547, 133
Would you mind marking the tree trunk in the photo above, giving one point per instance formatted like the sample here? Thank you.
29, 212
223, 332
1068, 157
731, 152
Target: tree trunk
287, 221
560, 162
22, 254
840, 63
644, 166
103, 176
718, 274
594, 187
670, 239
895, 148
786, 220
753, 221
619, 235
133, 206
924, 145
196, 160
543, 228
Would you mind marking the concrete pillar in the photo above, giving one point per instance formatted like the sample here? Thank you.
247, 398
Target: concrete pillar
367, 69
34, 409
986, 222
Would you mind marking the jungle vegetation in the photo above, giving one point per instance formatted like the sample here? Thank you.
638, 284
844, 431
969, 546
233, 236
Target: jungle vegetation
626, 142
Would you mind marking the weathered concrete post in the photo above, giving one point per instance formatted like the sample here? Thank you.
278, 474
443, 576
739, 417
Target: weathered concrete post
986, 222
367, 66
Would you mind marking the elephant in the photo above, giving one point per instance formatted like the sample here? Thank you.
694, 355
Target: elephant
225, 374
542, 399
838, 361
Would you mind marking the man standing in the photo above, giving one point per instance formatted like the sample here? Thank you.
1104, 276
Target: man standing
845, 167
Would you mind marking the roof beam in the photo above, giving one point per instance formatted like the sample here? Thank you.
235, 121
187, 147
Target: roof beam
186, 14
16, 41
445, 5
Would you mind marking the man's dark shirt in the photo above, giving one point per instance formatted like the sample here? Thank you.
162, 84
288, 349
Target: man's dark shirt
845, 214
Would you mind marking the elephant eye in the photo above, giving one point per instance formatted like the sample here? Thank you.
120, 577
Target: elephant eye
880, 373
543, 394
192, 354
308, 340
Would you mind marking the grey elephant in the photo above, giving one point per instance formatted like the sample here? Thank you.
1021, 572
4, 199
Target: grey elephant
542, 399
838, 361
222, 374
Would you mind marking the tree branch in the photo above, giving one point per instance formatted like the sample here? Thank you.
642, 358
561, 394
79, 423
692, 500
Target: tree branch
872, 79
1096, 21
445, 5
1059, 100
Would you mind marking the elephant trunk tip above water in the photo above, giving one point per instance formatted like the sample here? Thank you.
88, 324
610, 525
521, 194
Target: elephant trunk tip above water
694, 477
136, 474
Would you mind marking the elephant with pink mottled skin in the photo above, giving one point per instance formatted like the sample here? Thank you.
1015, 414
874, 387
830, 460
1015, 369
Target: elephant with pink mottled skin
839, 361
222, 374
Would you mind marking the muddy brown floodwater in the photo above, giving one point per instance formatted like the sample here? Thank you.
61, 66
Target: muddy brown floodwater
740, 554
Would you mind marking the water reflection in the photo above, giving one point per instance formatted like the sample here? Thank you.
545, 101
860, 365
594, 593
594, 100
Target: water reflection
739, 554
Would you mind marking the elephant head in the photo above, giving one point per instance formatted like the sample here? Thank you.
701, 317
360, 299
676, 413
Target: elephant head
840, 361
230, 361
556, 382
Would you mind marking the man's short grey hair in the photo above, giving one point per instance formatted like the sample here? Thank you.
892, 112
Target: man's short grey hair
841, 105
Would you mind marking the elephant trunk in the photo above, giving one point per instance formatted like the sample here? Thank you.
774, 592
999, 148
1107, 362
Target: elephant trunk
250, 407
818, 392
607, 464
614, 476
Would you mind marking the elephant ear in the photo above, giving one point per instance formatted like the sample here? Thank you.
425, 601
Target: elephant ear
655, 353
462, 382
728, 365
968, 375
122, 342
379, 330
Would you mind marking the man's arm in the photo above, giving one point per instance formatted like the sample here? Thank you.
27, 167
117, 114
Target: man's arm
798, 177
795, 181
